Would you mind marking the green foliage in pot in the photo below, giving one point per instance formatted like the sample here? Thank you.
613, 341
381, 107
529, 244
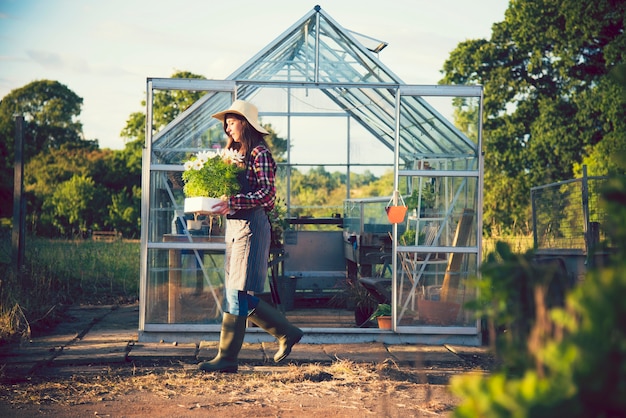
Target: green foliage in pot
212, 174
383, 309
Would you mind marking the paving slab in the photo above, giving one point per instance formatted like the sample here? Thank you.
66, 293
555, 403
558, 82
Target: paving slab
423, 355
103, 336
467, 350
86, 353
152, 351
300, 353
28, 354
80, 318
366, 352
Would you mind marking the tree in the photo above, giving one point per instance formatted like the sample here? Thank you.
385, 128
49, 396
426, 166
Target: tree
277, 145
167, 104
44, 173
50, 111
547, 102
72, 205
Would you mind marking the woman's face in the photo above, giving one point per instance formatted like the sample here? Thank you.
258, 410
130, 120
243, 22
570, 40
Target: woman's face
234, 127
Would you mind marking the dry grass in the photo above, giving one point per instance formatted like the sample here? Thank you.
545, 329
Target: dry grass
353, 383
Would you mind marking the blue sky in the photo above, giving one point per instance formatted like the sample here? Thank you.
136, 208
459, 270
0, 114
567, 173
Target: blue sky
105, 50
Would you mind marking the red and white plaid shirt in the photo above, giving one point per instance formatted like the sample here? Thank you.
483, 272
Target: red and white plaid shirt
261, 175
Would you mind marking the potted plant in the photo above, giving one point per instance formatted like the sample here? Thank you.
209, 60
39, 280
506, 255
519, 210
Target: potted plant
354, 296
208, 176
383, 315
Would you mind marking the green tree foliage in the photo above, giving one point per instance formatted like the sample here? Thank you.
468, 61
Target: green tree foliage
72, 205
367, 185
548, 101
167, 104
565, 361
50, 111
116, 173
124, 212
277, 145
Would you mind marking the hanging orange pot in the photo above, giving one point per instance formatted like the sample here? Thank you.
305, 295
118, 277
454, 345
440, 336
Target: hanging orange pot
396, 214
396, 209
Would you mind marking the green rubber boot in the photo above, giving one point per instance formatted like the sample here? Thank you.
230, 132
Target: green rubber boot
275, 323
231, 339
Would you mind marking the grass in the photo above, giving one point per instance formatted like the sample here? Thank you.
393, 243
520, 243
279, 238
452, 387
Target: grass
57, 273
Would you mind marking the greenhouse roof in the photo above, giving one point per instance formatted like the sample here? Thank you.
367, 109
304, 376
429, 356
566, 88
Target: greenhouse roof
316, 51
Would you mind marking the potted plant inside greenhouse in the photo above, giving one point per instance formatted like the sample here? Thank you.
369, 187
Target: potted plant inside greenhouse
382, 314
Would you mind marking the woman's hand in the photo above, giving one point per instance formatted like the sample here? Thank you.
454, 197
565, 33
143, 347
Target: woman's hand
221, 208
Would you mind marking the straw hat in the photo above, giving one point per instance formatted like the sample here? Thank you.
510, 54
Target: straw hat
245, 109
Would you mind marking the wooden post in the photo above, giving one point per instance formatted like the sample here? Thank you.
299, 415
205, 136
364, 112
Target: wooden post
451, 279
19, 205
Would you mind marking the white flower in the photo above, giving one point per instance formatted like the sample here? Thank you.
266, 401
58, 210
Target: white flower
188, 165
197, 165
205, 156
231, 156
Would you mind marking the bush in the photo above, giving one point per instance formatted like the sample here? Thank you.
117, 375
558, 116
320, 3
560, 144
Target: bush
555, 361
579, 367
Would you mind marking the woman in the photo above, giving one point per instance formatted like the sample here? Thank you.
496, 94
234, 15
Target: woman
248, 236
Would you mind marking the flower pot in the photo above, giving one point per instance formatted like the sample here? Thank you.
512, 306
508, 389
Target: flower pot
384, 322
200, 204
434, 312
396, 214
194, 225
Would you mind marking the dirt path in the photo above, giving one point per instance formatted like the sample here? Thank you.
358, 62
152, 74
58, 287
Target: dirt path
342, 389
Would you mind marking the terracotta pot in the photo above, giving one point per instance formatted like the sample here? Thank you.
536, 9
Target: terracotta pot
384, 322
396, 214
434, 312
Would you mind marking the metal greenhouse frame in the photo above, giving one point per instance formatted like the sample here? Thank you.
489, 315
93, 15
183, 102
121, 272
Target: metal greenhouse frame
337, 105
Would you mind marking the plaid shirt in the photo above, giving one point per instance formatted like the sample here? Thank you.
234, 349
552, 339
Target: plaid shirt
260, 174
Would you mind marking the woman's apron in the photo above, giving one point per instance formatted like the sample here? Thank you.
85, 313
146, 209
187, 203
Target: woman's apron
248, 237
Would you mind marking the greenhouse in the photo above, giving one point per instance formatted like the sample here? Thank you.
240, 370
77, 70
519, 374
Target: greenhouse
334, 111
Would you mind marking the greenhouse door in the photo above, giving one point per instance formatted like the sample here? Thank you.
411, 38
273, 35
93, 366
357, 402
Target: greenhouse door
438, 247
182, 274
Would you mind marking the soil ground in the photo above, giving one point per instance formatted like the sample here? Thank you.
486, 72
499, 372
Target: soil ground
326, 392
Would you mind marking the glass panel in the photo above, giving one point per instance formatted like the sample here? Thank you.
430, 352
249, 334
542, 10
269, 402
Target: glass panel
429, 131
185, 286
192, 131
436, 205
433, 292
367, 235
166, 210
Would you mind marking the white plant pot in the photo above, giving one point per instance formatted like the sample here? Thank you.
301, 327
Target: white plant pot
200, 204
194, 225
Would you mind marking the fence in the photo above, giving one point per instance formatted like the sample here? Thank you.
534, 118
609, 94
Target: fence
568, 214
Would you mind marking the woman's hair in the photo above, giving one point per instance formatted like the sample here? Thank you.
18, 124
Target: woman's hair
250, 137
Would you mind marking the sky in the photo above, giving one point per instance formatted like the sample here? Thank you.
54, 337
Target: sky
105, 50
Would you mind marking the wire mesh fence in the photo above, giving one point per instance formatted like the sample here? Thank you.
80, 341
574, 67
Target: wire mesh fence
568, 214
